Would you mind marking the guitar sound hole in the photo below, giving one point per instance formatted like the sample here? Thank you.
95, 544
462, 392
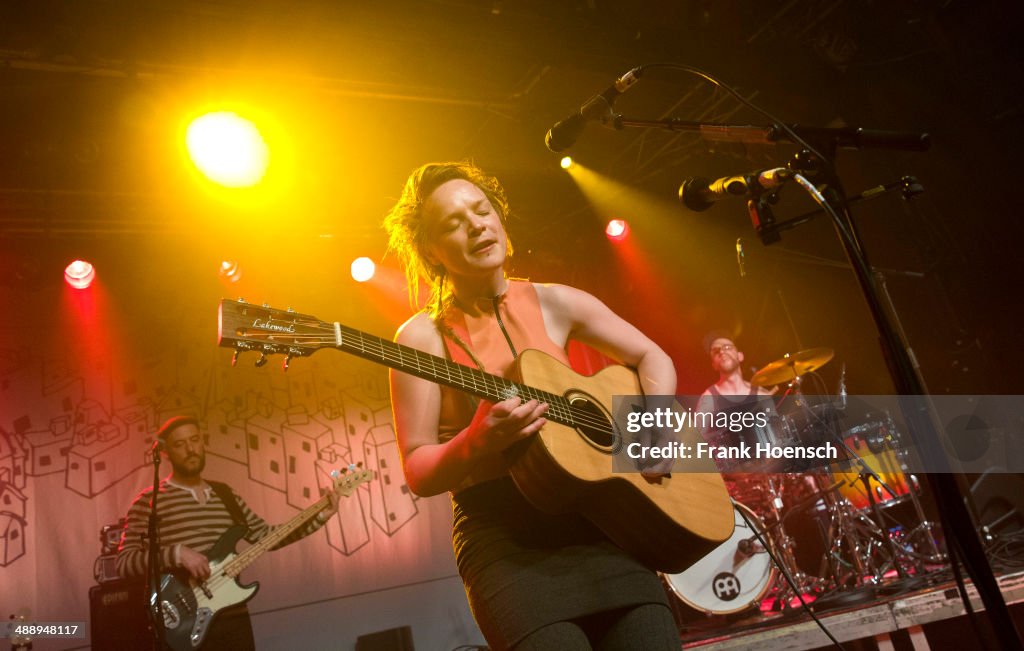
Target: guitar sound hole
596, 427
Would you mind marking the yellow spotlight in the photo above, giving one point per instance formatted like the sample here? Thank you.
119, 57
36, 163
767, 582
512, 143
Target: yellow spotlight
228, 149
566, 162
363, 269
230, 271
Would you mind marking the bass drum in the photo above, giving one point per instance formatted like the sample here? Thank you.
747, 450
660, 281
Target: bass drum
733, 577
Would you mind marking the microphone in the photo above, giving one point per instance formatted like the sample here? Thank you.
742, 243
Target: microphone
158, 445
598, 108
842, 387
698, 193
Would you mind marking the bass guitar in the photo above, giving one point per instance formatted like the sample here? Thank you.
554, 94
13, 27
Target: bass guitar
189, 606
667, 524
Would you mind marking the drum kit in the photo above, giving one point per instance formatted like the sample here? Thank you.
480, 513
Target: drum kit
832, 529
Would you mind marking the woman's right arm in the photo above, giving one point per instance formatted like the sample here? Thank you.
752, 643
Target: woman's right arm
432, 467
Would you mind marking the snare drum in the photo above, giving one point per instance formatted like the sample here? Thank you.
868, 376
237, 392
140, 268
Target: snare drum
876, 444
734, 576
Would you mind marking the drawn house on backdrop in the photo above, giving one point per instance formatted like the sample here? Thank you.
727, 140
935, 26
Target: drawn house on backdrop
48, 449
12, 523
391, 503
12, 538
12, 500
137, 425
98, 460
175, 402
303, 440
266, 448
12, 459
361, 415
225, 432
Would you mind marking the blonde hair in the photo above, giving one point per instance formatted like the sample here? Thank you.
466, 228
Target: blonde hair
407, 234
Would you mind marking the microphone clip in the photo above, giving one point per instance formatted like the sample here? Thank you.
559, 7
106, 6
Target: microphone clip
763, 219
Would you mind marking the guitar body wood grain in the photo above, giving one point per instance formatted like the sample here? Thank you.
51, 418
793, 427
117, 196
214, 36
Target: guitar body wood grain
667, 524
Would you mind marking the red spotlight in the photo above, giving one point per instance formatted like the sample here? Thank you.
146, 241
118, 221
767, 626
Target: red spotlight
617, 230
79, 274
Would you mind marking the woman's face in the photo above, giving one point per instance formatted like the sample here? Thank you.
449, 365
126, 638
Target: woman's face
464, 231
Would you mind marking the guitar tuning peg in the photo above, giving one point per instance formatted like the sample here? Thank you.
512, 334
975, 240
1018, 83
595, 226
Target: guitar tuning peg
241, 300
335, 474
262, 360
354, 466
286, 362
266, 305
291, 309
234, 358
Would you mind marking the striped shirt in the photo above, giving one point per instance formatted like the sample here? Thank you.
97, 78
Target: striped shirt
182, 520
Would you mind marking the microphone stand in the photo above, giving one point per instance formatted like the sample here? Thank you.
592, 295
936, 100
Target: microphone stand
948, 488
917, 412
156, 609
845, 137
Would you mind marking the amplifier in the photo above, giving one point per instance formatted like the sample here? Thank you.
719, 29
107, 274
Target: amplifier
118, 618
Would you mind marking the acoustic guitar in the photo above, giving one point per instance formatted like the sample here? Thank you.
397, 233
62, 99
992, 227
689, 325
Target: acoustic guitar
667, 524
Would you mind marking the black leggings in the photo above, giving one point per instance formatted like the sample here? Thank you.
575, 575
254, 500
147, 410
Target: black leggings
648, 627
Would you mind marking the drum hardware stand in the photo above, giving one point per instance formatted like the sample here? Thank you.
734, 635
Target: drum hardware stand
926, 527
846, 527
894, 549
784, 544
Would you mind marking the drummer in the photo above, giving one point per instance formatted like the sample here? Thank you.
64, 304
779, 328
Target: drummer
726, 359
732, 393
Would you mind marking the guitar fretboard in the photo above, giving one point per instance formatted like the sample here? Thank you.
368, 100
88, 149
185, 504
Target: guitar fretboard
443, 371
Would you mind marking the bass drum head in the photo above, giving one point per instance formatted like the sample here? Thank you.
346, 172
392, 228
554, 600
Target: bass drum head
733, 577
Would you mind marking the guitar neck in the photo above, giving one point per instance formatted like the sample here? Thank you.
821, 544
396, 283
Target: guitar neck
268, 542
246, 327
443, 371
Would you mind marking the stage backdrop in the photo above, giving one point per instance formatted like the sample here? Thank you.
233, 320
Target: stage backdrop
85, 380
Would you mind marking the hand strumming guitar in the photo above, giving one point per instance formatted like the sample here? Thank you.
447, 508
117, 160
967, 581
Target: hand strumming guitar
498, 425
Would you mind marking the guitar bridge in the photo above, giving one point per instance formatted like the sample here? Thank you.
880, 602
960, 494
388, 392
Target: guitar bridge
172, 618
203, 617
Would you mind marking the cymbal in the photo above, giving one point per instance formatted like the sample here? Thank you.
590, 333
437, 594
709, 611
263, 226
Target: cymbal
792, 366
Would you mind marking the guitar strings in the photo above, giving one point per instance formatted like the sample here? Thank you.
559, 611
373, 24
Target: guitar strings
559, 405
570, 415
221, 576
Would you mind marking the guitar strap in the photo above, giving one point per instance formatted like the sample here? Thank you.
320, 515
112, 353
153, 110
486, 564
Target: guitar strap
227, 496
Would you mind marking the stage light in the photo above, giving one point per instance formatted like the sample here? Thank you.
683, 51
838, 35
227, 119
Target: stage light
566, 162
228, 149
617, 230
79, 274
363, 269
230, 271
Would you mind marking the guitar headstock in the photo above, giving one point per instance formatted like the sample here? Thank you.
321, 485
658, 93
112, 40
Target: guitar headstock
268, 331
348, 479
